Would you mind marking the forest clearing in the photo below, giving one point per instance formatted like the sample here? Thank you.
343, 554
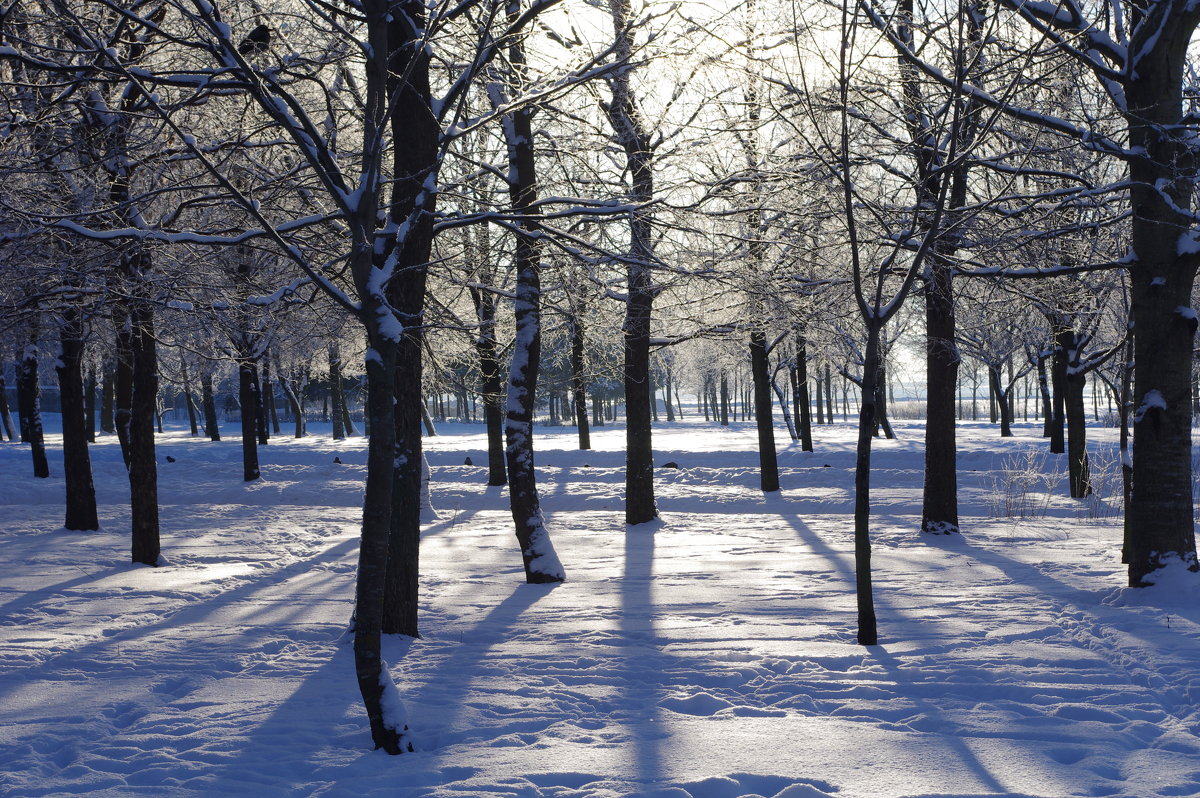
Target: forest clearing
710, 654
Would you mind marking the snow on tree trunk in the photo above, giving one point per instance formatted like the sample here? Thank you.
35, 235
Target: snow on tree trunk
29, 405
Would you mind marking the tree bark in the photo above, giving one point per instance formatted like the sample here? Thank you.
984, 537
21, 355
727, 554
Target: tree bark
868, 634
5, 413
211, 428
939, 504
77, 463
801, 394
579, 383
193, 425
29, 407
768, 462
335, 394
108, 393
248, 398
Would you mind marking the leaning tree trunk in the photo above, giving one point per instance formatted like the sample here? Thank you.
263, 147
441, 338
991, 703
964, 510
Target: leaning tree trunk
77, 463
768, 462
1004, 407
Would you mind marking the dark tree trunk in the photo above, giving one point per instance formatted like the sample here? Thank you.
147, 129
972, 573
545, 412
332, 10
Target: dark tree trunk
269, 395
579, 383
108, 397
248, 397
373, 678
868, 634
294, 393
123, 376
143, 469
492, 386
768, 463
724, 400
829, 395
211, 428
29, 408
89, 405
800, 388
1003, 405
1077, 458
187, 397
77, 463
939, 507
1058, 384
335, 394
881, 418
5, 413
415, 137
1047, 397
633, 137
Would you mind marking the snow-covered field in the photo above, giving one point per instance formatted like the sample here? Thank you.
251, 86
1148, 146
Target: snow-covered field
711, 655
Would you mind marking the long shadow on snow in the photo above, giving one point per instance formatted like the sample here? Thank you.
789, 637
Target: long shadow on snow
640, 665
450, 682
198, 611
844, 564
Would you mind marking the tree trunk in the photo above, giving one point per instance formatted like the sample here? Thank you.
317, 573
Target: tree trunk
579, 382
5, 413
335, 394
29, 407
1058, 384
1160, 520
868, 634
371, 670
89, 405
211, 428
108, 395
724, 400
1003, 406
801, 394
248, 398
537, 551
269, 395
143, 468
1047, 397
1076, 410
77, 463
768, 463
939, 504
187, 395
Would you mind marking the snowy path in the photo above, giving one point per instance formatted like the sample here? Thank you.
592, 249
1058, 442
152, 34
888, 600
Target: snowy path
708, 656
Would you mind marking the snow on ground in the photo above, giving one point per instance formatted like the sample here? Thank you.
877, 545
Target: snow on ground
711, 655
